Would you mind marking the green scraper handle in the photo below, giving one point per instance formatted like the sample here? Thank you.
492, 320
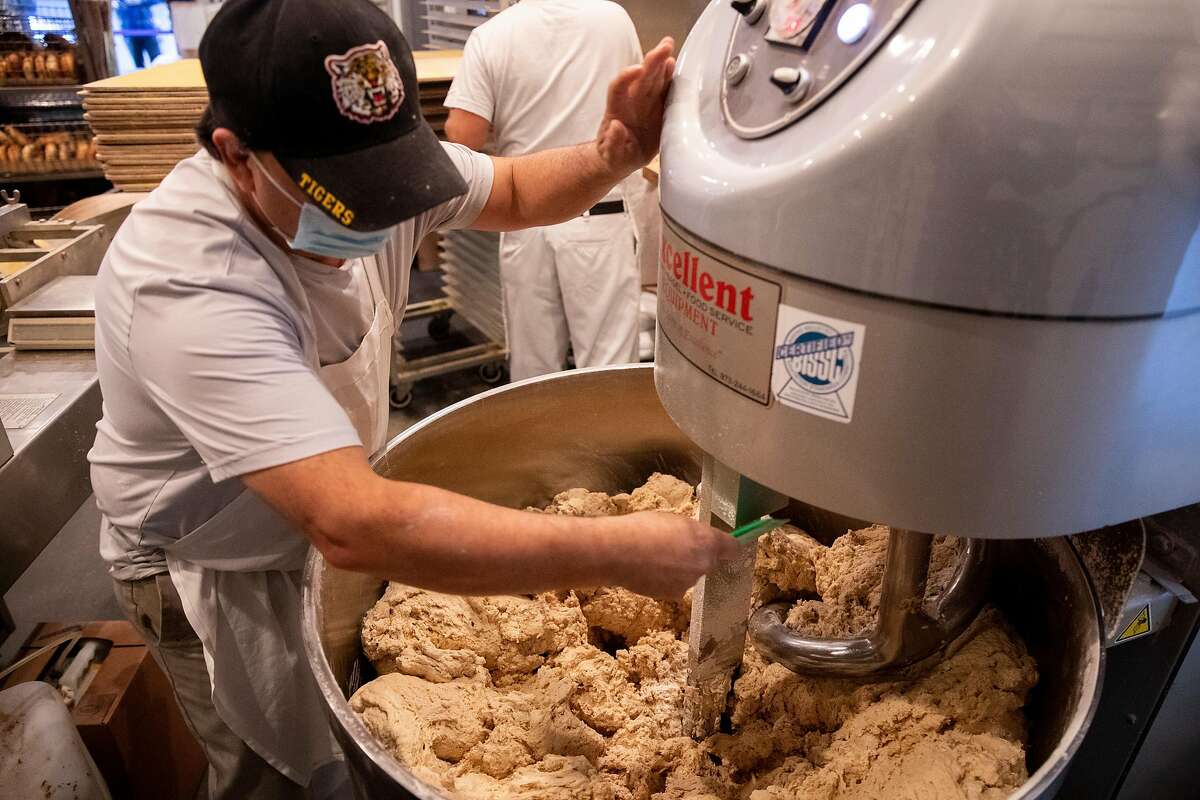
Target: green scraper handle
752, 530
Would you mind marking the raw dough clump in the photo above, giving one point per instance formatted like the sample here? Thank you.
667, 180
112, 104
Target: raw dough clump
576, 695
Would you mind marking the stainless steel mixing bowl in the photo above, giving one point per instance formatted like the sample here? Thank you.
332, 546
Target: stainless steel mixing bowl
606, 430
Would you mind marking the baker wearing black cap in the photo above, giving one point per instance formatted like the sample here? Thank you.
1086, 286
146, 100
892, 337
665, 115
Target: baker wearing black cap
245, 313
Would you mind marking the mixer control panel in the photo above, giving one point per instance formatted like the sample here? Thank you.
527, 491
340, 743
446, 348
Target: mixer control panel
786, 56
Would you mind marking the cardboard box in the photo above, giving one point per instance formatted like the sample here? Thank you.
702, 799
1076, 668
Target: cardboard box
128, 717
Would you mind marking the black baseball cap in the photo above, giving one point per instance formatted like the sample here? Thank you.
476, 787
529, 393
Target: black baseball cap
329, 87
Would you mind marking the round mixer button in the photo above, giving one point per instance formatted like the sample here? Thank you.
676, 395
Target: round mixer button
854, 23
737, 68
794, 81
752, 10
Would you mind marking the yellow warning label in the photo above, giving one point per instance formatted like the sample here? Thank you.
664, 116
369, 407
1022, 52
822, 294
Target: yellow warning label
1139, 627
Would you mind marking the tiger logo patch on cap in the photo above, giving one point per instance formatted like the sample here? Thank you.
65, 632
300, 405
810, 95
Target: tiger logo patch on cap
366, 83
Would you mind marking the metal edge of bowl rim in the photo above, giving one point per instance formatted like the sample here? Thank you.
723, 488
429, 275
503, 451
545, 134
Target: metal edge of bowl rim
1062, 754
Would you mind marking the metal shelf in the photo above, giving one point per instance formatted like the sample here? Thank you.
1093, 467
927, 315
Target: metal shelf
38, 177
468, 20
446, 24
40, 97
490, 6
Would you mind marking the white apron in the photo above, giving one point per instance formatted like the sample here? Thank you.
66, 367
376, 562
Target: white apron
239, 574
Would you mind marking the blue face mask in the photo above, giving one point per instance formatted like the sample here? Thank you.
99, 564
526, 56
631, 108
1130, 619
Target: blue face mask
318, 233
322, 235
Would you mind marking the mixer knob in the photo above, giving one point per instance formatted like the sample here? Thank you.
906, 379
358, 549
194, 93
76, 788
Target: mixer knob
736, 69
794, 81
752, 10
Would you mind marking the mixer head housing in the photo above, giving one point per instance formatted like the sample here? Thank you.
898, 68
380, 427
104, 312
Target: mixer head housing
954, 285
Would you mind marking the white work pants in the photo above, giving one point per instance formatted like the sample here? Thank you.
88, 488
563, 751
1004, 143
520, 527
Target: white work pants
576, 283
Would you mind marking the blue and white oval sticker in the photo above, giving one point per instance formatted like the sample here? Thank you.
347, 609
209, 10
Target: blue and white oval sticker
816, 363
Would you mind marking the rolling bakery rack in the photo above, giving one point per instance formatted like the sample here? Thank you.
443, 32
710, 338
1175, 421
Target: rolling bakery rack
469, 261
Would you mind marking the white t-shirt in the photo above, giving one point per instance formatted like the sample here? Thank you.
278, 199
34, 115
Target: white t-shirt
539, 71
208, 338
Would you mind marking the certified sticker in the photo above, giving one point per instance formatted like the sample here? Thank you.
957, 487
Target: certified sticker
817, 362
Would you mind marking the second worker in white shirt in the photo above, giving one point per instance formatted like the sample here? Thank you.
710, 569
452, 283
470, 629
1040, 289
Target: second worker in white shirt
537, 76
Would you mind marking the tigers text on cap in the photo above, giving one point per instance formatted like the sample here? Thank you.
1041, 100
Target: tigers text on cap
329, 87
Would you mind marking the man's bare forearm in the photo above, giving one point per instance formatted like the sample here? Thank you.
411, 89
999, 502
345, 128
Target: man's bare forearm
428, 537
434, 539
547, 188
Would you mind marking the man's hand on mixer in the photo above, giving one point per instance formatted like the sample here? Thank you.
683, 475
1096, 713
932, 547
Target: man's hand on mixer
632, 126
446, 542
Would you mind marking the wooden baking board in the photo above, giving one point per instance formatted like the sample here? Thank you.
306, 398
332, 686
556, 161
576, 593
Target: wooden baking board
147, 167
140, 170
138, 162
145, 137
149, 121
152, 151
132, 157
144, 108
149, 148
421, 55
135, 162
184, 74
131, 126
137, 177
179, 144
437, 65
166, 98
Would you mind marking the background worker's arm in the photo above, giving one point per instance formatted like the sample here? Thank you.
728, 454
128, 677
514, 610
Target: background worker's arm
427, 537
556, 185
465, 128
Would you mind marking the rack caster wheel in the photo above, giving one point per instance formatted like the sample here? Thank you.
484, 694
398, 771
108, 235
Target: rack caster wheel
400, 397
491, 373
439, 326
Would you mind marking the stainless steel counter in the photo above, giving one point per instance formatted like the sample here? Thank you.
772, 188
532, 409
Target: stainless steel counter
54, 398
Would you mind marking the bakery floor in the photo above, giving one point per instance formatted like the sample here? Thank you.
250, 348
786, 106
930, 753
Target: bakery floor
68, 581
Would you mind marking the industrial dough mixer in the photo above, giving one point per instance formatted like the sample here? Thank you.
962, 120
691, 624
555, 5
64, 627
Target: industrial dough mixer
935, 264
932, 263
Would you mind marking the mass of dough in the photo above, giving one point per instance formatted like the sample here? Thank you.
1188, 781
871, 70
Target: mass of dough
579, 695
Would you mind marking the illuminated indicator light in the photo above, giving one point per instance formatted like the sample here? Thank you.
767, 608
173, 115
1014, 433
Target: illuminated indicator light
854, 23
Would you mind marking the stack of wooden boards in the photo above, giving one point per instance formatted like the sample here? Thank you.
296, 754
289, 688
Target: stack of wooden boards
435, 71
144, 122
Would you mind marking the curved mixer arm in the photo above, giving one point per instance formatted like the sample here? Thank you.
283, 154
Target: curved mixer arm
904, 634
